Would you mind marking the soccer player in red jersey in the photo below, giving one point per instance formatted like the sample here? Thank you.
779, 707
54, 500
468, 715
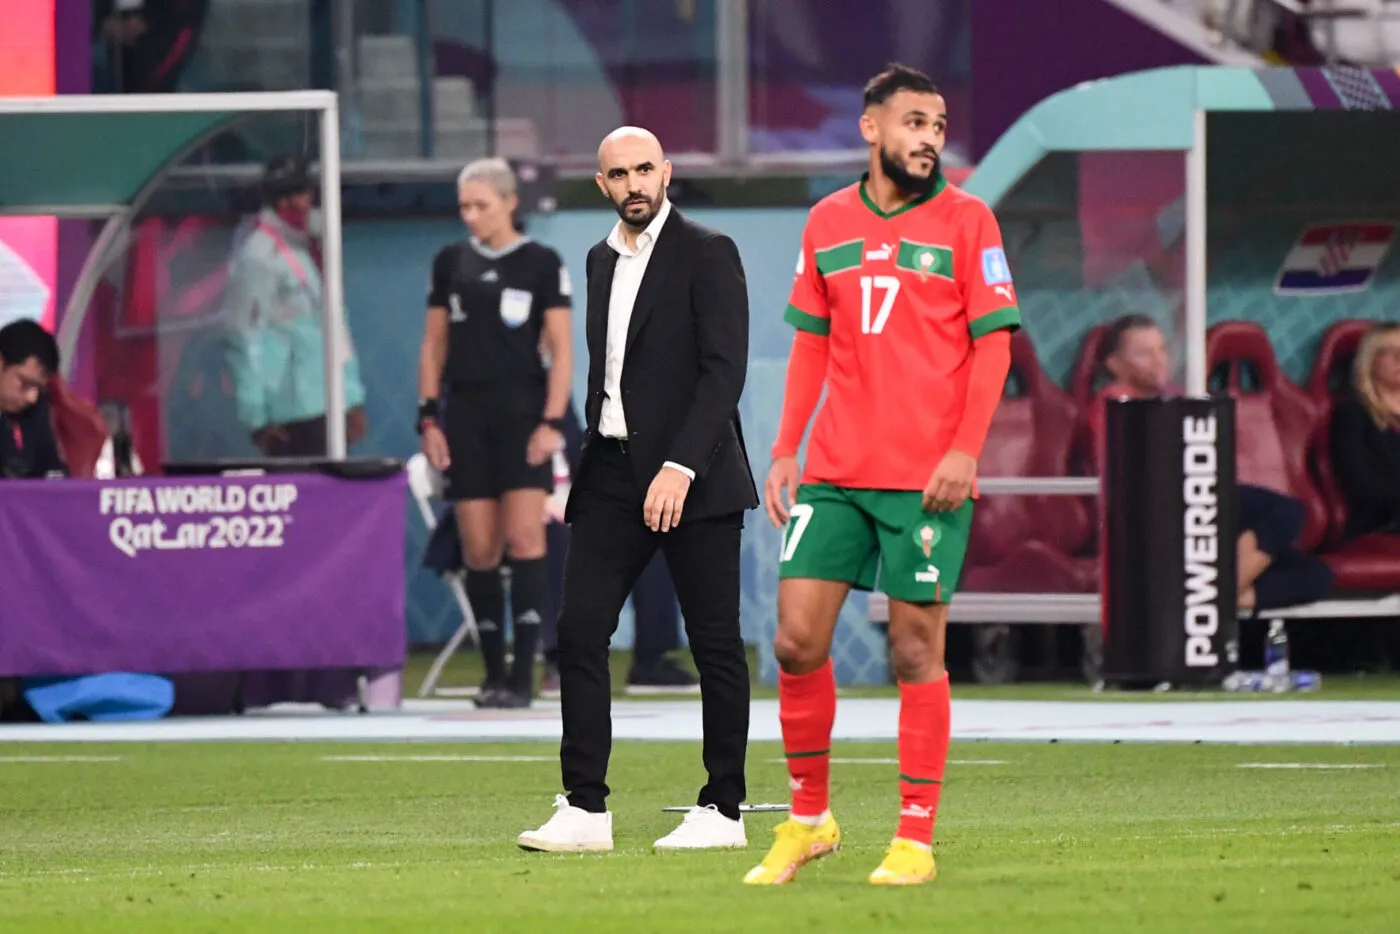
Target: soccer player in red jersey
904, 308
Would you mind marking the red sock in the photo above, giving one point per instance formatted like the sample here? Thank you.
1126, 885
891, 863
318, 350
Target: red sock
924, 725
807, 709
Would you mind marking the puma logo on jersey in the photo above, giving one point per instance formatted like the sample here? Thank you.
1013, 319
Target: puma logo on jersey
929, 576
883, 254
1005, 290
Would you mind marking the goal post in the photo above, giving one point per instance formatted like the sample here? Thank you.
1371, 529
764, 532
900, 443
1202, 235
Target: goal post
103, 157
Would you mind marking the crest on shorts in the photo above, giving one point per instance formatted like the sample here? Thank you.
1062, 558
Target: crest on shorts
926, 536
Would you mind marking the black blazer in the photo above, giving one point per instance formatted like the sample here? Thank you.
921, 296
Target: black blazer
684, 367
29, 445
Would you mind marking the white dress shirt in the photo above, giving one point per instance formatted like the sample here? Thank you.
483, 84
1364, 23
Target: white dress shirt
627, 280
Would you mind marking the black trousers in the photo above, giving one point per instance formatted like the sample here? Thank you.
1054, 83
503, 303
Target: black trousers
658, 624
653, 603
609, 547
1294, 577
306, 438
556, 536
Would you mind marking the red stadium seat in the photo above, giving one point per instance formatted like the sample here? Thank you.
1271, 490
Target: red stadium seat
1370, 564
1086, 380
79, 426
1030, 436
1320, 456
1331, 369
1275, 422
1331, 374
1033, 567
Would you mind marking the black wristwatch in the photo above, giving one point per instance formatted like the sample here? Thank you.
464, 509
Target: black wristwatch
556, 423
427, 411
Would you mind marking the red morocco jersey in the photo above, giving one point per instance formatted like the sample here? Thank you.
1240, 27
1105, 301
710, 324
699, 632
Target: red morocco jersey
901, 296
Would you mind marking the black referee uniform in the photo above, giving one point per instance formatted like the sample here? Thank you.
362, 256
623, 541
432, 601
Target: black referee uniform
494, 393
495, 379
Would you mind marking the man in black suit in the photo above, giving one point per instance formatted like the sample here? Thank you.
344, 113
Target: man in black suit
657, 615
663, 466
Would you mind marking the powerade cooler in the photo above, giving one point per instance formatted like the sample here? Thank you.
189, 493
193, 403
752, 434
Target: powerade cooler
1170, 607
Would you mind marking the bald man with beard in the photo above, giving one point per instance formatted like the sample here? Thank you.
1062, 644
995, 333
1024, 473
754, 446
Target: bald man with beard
663, 466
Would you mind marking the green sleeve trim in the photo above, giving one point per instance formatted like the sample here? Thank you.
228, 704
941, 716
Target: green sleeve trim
1008, 318
804, 322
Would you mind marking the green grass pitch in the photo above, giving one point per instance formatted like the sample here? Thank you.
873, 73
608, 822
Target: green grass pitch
271, 837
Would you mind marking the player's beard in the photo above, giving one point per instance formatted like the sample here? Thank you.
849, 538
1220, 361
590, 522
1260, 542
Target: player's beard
912, 185
639, 221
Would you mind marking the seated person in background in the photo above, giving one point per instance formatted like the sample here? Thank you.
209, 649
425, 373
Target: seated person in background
28, 359
1272, 572
1366, 436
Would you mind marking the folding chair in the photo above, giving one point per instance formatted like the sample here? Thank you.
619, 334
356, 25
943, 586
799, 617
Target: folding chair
425, 483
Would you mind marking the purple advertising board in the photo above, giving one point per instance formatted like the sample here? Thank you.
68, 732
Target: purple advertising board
169, 575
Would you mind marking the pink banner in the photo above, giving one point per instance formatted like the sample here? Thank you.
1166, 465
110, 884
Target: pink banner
28, 245
28, 268
27, 49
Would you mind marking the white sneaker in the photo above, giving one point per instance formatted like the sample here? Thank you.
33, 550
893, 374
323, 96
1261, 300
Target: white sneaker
705, 828
570, 830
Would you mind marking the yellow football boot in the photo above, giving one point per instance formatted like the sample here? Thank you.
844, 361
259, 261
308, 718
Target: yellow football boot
797, 844
906, 863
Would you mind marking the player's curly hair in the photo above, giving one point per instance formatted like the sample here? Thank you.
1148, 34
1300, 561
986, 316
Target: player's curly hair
896, 78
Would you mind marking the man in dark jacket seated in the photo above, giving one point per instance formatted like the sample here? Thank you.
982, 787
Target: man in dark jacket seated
28, 445
1273, 572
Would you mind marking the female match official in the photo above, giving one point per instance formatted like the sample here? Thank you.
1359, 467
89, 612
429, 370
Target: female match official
497, 345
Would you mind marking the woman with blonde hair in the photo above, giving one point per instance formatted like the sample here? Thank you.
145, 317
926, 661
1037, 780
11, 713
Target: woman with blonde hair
1366, 436
497, 350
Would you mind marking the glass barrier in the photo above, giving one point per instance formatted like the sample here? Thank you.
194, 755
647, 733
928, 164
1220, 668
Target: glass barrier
807, 72
544, 79
208, 321
1093, 236
558, 75
213, 45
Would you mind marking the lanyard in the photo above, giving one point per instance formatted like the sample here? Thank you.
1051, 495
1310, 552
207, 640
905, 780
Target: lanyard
290, 257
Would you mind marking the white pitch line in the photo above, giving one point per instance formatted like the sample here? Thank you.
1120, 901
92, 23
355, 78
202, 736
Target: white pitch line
896, 761
439, 758
60, 759
1311, 765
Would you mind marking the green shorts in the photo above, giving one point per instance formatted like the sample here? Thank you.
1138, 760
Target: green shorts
840, 534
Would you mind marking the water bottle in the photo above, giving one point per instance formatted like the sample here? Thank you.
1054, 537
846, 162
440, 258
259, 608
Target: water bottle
1246, 682
1261, 682
1276, 650
1305, 680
